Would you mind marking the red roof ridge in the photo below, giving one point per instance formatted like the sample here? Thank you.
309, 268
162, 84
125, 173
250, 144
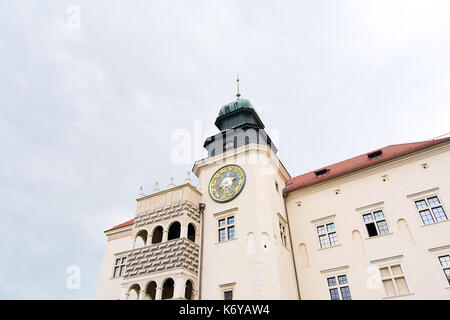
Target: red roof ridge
359, 162
124, 224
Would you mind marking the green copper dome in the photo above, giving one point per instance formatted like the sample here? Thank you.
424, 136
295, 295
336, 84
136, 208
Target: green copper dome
235, 105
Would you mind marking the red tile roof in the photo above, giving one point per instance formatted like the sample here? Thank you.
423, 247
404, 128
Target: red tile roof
125, 224
356, 163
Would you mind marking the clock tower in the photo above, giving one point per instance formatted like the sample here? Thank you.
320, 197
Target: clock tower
246, 251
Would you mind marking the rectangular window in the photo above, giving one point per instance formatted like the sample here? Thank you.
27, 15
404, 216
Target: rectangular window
375, 223
338, 288
431, 210
327, 235
120, 267
393, 280
226, 229
445, 264
228, 295
283, 233
222, 235
231, 232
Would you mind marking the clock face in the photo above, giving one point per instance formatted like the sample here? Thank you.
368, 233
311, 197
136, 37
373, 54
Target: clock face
227, 183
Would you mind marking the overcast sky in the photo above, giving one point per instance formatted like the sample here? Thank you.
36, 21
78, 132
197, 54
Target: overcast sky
88, 110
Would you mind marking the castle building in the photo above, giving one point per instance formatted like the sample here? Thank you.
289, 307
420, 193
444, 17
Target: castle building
371, 227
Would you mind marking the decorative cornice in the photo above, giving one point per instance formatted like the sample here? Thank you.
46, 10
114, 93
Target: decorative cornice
226, 285
323, 218
413, 195
446, 247
169, 190
373, 205
387, 259
334, 269
118, 230
225, 211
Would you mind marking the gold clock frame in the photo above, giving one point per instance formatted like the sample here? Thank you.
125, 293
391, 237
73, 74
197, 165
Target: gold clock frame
244, 178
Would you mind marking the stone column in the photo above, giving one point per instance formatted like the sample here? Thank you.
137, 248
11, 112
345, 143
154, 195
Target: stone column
149, 240
142, 295
165, 235
158, 293
180, 286
194, 294
124, 294
197, 237
183, 230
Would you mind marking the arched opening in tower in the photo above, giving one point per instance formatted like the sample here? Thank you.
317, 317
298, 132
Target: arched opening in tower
157, 235
174, 231
167, 291
188, 290
191, 232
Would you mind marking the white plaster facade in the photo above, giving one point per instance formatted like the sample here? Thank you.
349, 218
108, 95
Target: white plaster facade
409, 242
276, 251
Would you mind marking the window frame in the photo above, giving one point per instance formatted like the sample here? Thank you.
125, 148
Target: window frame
392, 277
121, 266
225, 216
337, 285
225, 294
283, 232
446, 267
323, 221
326, 234
436, 254
375, 222
425, 197
227, 287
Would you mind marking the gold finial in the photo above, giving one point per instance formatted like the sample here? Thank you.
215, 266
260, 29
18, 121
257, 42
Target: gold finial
237, 83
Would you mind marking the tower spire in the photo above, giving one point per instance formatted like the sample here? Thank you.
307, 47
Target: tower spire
237, 84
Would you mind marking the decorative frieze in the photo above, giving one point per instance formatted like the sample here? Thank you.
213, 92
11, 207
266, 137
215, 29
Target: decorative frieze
119, 235
169, 212
177, 253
